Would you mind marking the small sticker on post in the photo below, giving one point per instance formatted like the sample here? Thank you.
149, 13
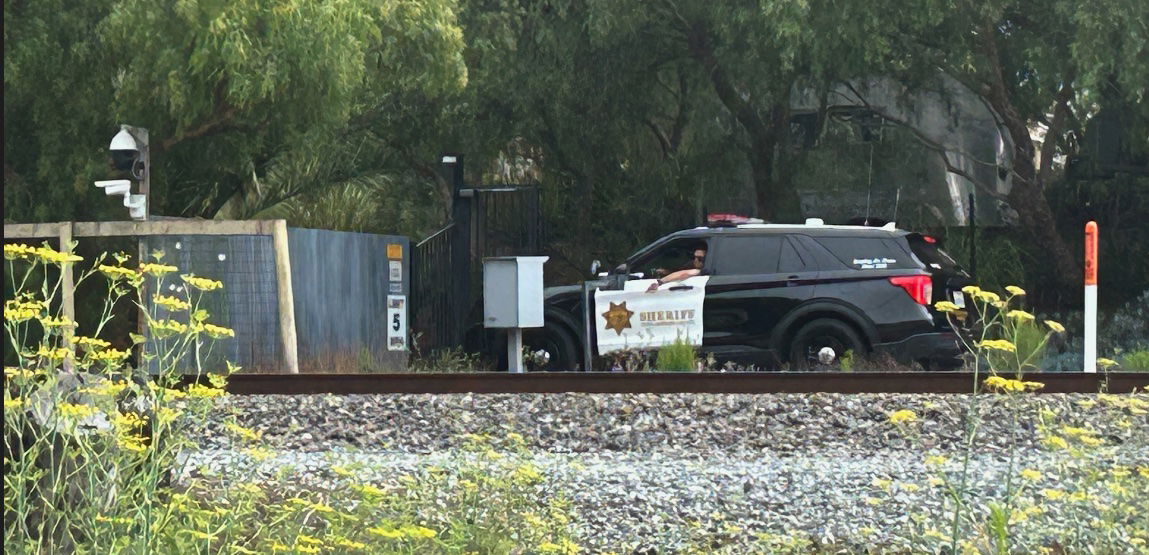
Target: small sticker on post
396, 270
395, 252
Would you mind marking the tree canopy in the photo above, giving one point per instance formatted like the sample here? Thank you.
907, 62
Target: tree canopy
633, 116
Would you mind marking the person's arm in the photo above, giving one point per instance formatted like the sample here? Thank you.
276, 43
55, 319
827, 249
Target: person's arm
676, 276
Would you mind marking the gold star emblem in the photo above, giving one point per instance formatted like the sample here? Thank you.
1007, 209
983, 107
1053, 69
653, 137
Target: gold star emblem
618, 317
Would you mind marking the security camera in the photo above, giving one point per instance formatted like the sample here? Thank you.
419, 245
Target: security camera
125, 151
115, 187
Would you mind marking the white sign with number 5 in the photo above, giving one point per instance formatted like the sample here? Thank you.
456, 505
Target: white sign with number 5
396, 322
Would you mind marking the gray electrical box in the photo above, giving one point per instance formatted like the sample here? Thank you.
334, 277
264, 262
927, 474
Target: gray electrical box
513, 291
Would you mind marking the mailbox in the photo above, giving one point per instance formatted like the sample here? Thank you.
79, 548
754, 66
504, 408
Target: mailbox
513, 291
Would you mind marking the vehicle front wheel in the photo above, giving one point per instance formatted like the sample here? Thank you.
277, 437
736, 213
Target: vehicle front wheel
821, 340
549, 349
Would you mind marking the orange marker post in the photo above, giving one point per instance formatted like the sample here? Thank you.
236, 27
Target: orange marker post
1091, 297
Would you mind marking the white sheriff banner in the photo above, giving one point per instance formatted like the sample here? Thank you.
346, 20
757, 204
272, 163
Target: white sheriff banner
635, 319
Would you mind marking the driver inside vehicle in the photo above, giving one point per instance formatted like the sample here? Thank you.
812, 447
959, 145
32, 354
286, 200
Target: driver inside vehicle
692, 268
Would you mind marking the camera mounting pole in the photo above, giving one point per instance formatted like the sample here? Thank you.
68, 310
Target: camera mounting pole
144, 165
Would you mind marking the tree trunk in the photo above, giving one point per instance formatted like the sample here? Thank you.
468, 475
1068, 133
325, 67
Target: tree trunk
1027, 194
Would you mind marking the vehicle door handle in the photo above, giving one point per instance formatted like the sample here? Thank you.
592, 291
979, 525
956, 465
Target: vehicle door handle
682, 288
790, 280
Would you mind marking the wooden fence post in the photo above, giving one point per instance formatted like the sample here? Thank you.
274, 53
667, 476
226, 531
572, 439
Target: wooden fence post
67, 289
286, 296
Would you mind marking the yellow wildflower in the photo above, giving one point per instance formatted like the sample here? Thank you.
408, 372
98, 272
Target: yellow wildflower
279, 547
91, 342
902, 416
997, 344
385, 533
118, 272
171, 303
1031, 474
204, 392
52, 256
306, 549
203, 284
369, 490
527, 474
12, 252
53, 354
935, 534
304, 538
1058, 328
1086, 403
217, 332
342, 471
1020, 316
1106, 362
349, 544
156, 269
13, 404
243, 433
934, 481
1091, 441
167, 328
987, 296
321, 508
1032, 386
534, 520
418, 532
946, 306
77, 411
1014, 290
109, 355
1057, 442
259, 454
995, 382
971, 290
881, 484
911, 488
1143, 471
61, 322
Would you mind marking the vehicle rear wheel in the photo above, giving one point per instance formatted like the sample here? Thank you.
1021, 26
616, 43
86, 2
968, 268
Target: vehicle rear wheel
549, 349
815, 337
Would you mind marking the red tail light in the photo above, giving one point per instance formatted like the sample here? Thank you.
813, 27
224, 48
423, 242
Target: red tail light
920, 288
929, 239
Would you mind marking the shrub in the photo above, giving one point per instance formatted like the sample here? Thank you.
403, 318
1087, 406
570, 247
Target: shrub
676, 357
1137, 361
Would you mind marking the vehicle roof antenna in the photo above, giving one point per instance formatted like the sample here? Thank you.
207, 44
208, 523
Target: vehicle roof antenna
869, 184
897, 197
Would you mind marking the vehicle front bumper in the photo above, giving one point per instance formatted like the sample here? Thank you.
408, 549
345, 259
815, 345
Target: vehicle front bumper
942, 347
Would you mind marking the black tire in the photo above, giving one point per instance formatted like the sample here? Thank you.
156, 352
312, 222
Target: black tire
556, 342
823, 332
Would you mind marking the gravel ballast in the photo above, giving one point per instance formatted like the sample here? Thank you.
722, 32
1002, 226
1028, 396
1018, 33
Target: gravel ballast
648, 470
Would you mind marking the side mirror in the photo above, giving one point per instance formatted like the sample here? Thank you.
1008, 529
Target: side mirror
594, 266
620, 269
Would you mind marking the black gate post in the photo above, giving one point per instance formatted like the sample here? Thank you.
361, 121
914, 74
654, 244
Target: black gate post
452, 167
972, 240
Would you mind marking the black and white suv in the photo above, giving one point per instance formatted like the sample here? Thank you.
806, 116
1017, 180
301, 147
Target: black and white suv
781, 293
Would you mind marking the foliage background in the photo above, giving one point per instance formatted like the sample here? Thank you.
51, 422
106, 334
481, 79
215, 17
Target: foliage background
635, 118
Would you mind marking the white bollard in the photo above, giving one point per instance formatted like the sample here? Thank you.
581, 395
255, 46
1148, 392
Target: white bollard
1091, 297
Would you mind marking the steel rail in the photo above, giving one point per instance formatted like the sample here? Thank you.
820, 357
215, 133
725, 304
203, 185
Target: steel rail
602, 382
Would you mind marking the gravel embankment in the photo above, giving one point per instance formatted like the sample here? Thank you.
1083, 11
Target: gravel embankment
650, 469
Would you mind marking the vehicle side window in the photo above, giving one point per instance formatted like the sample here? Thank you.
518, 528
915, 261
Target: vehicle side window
791, 261
669, 258
748, 255
867, 253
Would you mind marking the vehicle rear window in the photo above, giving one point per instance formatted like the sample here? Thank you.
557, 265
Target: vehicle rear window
748, 255
869, 253
931, 255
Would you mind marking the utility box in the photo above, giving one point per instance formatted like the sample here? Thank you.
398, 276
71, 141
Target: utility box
513, 291
513, 299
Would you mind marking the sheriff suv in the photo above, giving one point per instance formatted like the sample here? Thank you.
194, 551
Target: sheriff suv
781, 294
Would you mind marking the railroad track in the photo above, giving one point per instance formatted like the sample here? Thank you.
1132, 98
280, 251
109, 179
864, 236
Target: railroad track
603, 382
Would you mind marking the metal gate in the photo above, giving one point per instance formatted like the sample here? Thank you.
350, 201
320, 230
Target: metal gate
447, 267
